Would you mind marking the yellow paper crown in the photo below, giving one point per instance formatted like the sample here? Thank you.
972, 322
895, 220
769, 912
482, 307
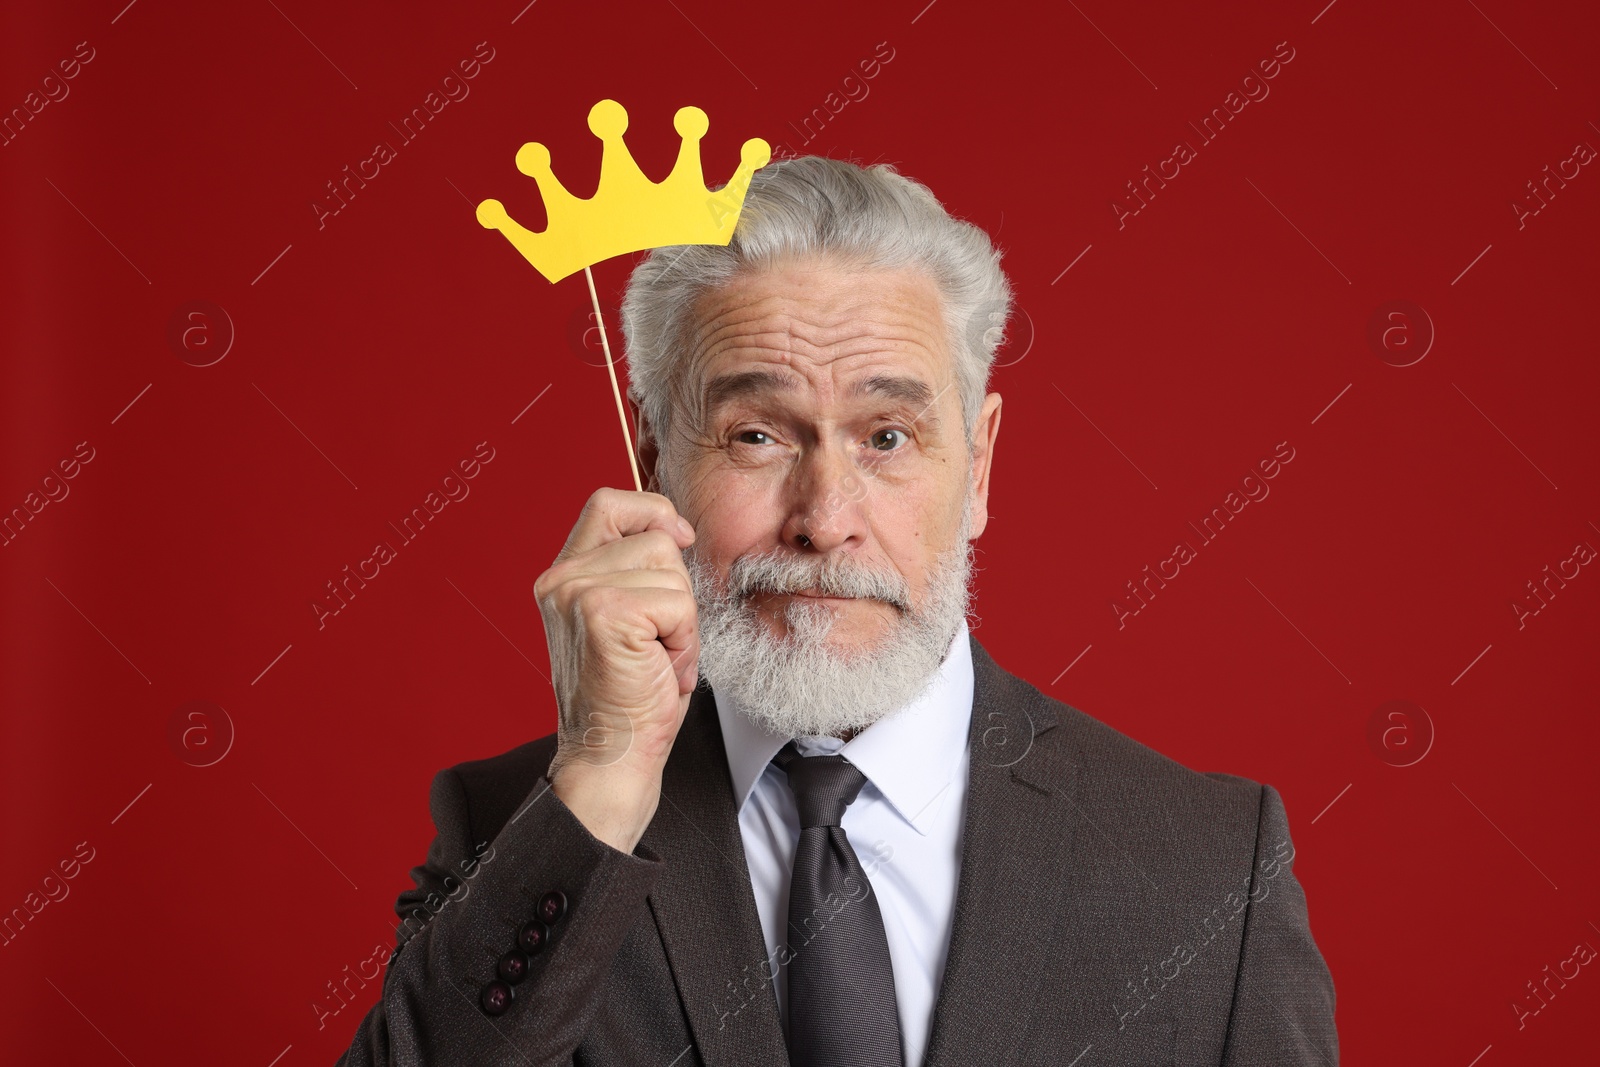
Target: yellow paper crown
628, 212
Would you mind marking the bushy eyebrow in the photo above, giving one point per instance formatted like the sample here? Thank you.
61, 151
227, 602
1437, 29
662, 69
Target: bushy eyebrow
896, 387
728, 387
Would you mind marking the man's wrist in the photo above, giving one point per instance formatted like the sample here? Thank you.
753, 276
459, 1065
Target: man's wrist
613, 803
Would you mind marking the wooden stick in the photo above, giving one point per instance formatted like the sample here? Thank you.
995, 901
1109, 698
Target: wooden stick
611, 369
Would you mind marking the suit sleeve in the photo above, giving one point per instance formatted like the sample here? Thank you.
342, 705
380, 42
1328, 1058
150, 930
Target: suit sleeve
1283, 999
471, 902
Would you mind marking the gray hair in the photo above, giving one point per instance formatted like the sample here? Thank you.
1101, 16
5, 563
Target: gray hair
868, 216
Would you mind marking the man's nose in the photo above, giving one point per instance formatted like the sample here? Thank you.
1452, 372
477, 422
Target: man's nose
827, 502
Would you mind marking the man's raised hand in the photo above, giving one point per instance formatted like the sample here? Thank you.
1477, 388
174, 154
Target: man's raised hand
620, 620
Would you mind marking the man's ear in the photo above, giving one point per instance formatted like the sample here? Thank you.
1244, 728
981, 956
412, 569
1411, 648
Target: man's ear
984, 434
649, 451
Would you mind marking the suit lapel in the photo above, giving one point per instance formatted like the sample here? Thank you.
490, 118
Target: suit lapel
704, 907
1016, 847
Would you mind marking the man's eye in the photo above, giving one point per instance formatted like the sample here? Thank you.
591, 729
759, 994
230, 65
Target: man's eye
888, 440
754, 437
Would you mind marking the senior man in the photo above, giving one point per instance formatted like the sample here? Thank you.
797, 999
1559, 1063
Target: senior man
793, 812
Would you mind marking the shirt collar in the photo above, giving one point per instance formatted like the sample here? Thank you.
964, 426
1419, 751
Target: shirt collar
911, 755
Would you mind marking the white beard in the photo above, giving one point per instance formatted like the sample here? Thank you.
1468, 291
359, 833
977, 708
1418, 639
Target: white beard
797, 685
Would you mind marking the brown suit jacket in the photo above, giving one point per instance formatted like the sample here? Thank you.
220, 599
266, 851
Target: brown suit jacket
1113, 907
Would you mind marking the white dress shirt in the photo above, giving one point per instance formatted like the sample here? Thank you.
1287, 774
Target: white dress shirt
905, 827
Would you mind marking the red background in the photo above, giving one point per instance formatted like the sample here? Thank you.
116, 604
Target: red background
372, 354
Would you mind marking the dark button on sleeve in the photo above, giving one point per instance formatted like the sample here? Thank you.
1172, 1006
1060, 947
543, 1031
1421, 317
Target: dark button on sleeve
512, 968
552, 906
496, 998
532, 937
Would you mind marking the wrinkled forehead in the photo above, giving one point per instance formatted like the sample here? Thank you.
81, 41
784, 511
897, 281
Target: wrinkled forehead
820, 333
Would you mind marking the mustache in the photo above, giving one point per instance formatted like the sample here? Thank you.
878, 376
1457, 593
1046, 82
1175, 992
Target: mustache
780, 573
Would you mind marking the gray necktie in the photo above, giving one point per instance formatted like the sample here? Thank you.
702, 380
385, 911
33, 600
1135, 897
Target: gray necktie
841, 982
